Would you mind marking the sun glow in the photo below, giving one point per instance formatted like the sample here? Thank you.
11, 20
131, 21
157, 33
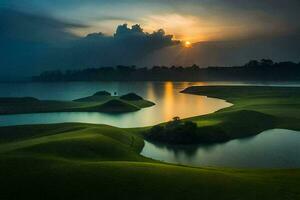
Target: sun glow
187, 44
184, 27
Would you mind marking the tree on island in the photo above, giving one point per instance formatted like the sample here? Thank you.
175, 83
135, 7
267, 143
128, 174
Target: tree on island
174, 132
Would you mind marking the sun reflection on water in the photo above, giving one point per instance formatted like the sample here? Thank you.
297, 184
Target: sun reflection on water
169, 101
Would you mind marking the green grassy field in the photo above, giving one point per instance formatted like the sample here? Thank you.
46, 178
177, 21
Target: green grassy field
94, 103
86, 161
254, 109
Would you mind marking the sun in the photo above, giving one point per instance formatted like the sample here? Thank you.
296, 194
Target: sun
187, 44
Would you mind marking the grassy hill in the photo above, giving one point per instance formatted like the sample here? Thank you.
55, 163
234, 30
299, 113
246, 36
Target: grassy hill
254, 109
84, 161
99, 102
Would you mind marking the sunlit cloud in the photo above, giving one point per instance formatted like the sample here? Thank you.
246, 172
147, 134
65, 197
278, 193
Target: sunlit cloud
183, 27
197, 29
193, 21
192, 28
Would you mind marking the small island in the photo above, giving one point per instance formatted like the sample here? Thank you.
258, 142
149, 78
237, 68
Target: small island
101, 101
189, 132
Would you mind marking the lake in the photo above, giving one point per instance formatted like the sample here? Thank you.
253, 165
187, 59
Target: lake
169, 102
273, 148
276, 148
166, 95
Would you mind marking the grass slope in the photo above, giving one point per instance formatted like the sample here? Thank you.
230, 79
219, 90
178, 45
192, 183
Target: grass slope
85, 161
115, 106
254, 109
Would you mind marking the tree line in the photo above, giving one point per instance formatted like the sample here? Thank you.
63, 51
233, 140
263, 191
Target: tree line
263, 70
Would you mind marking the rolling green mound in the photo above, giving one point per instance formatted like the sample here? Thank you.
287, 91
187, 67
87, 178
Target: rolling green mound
131, 97
115, 106
84, 161
78, 141
238, 124
102, 93
254, 109
99, 102
97, 97
8, 100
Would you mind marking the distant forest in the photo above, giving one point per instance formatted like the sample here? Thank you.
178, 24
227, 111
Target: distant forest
263, 70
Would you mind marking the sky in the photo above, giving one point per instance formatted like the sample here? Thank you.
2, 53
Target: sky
48, 34
192, 20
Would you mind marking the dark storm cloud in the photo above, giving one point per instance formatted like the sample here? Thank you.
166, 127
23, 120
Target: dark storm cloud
33, 43
278, 9
26, 39
36, 28
125, 47
113, 18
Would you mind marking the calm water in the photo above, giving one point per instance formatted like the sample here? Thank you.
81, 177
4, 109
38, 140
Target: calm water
276, 148
169, 102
